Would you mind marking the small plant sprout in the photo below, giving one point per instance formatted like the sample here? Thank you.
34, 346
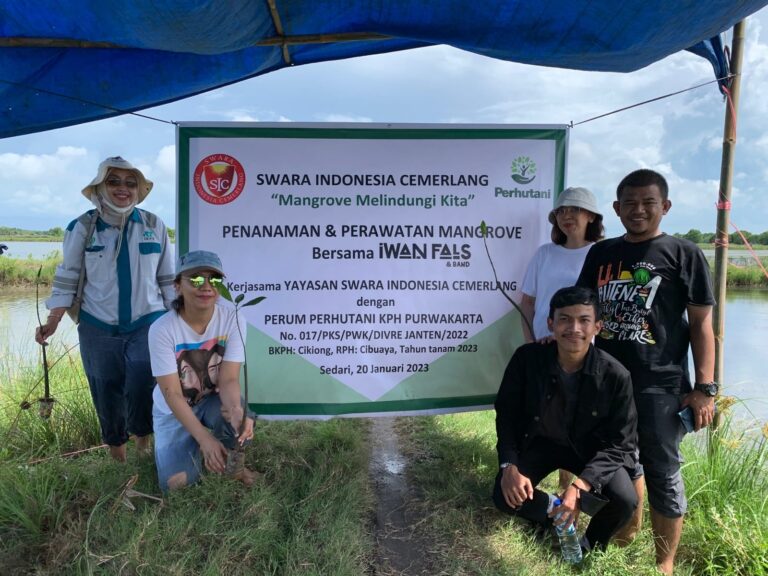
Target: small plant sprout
46, 402
484, 232
236, 458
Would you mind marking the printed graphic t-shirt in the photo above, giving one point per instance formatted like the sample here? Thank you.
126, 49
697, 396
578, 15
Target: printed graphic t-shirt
644, 288
175, 348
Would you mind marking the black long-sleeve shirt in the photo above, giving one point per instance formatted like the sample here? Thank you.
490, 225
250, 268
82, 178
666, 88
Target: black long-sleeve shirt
604, 430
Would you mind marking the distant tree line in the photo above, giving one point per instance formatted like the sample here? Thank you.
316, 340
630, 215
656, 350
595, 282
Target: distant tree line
700, 237
53, 233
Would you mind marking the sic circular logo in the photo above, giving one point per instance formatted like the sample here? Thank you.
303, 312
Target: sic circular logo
219, 179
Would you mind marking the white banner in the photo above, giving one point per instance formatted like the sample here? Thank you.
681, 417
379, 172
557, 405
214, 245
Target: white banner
366, 241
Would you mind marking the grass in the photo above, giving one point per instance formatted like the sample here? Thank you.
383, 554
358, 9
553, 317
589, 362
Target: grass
308, 515
23, 271
747, 276
454, 462
312, 510
30, 238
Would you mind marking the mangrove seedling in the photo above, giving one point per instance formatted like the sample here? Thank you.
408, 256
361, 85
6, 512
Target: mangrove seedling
484, 232
236, 457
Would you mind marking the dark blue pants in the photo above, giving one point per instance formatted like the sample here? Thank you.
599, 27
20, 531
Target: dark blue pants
120, 377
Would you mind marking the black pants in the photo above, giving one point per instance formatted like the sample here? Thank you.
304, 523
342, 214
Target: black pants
543, 458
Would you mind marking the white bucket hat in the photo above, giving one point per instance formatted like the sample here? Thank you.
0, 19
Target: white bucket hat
578, 197
145, 185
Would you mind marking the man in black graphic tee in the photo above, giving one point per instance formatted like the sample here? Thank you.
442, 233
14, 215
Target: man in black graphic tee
656, 297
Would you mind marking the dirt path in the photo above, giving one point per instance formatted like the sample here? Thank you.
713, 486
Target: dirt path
399, 548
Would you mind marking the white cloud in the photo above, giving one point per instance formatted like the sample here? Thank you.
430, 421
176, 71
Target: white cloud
166, 160
343, 118
680, 135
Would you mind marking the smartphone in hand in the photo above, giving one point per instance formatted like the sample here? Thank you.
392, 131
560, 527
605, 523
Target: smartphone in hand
686, 417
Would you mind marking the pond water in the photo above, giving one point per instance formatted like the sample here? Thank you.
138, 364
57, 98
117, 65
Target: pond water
746, 325
39, 250
34, 250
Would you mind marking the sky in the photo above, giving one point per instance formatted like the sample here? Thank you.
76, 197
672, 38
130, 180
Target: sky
681, 136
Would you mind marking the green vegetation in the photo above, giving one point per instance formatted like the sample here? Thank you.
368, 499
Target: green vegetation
308, 514
747, 276
18, 235
311, 511
56, 234
454, 461
757, 241
23, 272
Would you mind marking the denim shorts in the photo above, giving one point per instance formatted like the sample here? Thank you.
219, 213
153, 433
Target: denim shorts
120, 378
176, 450
660, 433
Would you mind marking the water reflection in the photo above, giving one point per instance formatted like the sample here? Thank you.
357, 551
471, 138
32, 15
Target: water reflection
17, 326
34, 250
746, 323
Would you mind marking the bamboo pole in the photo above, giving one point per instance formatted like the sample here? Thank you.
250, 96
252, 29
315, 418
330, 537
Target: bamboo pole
724, 203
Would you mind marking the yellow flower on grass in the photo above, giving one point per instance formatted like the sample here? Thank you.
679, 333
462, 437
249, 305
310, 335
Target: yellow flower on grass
765, 430
724, 403
730, 443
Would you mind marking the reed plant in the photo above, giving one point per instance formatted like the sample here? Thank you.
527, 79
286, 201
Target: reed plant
748, 276
727, 484
73, 424
23, 271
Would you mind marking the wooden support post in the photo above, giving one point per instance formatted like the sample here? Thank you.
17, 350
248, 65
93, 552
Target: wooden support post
724, 203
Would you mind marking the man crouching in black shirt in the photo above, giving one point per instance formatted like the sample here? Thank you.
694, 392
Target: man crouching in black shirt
567, 405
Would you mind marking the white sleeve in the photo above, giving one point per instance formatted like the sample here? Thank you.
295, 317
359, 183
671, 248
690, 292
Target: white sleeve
531, 278
165, 270
67, 273
162, 348
235, 351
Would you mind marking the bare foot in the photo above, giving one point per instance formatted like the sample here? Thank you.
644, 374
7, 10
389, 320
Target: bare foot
117, 453
144, 446
247, 477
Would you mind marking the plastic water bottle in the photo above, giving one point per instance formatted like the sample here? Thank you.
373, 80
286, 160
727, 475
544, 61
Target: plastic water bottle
569, 539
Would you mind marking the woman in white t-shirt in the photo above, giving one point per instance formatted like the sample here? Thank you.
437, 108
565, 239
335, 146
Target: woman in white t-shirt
576, 225
196, 351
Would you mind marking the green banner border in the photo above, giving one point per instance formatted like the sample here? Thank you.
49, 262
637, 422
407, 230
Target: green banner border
186, 132
338, 409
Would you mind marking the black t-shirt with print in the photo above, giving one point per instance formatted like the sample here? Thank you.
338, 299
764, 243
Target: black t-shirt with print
644, 288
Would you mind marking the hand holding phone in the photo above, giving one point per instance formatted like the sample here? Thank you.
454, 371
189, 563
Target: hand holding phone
688, 420
686, 417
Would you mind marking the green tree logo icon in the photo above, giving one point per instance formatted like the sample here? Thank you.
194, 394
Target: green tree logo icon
523, 170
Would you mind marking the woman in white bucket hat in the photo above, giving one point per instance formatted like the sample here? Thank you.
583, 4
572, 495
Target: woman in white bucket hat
120, 256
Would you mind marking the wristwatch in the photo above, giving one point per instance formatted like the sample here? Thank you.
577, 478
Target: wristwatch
708, 388
504, 465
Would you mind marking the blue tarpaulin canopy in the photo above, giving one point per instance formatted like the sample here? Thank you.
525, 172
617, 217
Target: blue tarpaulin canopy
63, 63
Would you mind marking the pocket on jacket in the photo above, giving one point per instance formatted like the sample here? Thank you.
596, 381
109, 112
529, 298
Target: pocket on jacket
97, 265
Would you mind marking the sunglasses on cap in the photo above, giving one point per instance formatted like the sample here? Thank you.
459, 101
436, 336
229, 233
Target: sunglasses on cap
214, 280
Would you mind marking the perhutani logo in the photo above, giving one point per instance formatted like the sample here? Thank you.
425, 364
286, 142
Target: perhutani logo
219, 179
523, 170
